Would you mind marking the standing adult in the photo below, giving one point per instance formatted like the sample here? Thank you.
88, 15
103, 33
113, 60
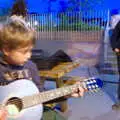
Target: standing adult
115, 44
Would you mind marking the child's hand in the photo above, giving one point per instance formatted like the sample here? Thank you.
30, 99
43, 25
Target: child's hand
3, 114
78, 92
117, 50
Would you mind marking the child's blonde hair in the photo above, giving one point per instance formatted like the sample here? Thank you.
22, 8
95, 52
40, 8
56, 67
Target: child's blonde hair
15, 35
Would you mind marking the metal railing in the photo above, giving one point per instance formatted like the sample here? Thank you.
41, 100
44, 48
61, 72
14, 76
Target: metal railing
60, 26
67, 26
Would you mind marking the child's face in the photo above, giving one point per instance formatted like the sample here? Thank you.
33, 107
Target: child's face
18, 56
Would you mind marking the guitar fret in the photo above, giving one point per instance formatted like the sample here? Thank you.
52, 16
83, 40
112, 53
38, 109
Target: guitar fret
42, 96
65, 91
48, 95
37, 99
25, 102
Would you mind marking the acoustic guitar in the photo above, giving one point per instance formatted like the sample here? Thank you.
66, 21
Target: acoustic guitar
23, 100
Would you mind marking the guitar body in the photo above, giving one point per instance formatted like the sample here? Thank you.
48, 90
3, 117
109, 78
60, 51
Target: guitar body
20, 89
23, 101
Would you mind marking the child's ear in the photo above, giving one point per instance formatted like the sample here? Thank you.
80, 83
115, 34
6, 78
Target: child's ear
5, 51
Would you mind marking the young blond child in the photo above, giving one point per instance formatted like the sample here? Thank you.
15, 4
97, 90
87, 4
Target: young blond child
16, 43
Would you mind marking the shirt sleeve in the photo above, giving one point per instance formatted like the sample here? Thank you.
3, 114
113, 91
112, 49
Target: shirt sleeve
115, 38
36, 78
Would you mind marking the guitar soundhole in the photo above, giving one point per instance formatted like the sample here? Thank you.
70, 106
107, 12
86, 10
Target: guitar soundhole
14, 106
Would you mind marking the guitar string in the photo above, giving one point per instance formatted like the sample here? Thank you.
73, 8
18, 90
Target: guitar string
19, 102
14, 101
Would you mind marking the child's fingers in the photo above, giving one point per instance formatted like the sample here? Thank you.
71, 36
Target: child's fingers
3, 114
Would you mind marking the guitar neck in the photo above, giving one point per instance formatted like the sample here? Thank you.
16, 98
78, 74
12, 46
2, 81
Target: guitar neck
88, 84
42, 97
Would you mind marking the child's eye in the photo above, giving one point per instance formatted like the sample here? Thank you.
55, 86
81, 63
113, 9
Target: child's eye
27, 51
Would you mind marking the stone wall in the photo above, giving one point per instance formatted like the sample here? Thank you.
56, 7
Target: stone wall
86, 45
87, 36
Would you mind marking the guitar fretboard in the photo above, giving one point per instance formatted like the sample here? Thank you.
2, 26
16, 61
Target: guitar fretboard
89, 85
42, 97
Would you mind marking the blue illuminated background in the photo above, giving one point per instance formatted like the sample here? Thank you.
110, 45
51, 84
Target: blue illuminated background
42, 5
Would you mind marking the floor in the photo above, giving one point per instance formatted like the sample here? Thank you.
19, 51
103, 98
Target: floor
93, 106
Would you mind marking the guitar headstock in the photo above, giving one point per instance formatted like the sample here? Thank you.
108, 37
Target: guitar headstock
93, 84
